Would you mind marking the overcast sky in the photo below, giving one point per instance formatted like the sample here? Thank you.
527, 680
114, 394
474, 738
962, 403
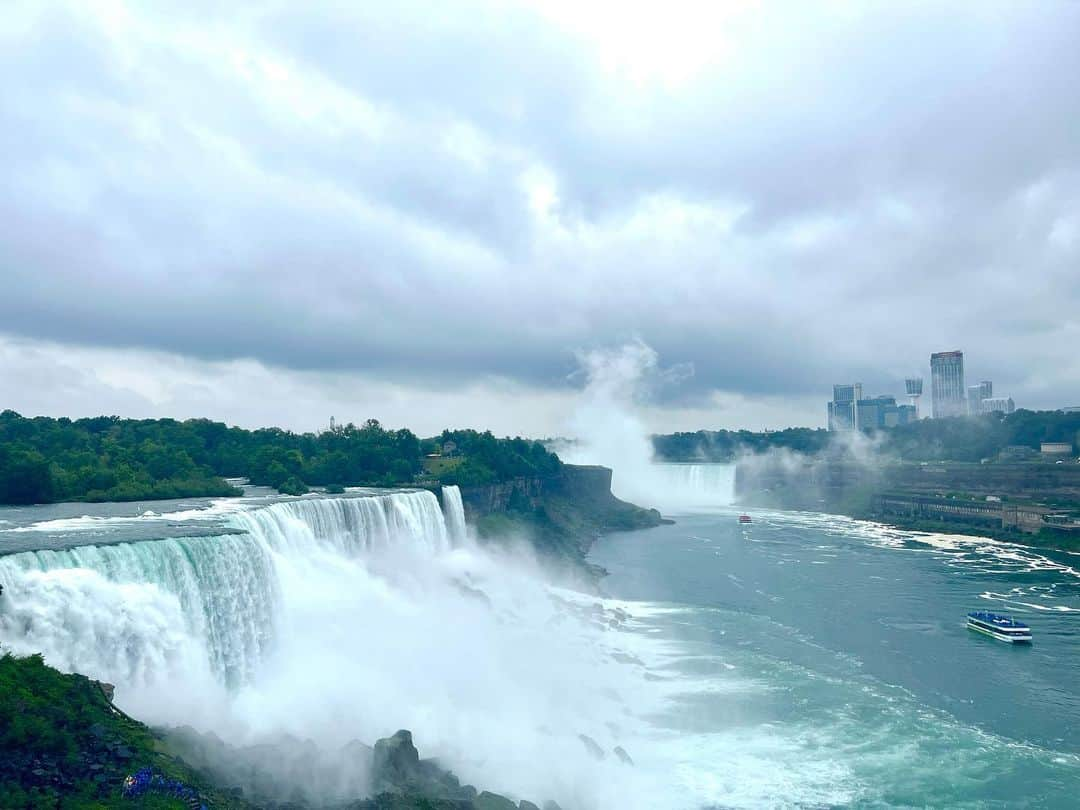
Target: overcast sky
426, 212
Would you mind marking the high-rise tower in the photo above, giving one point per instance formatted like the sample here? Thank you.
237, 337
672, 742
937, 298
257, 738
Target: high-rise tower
947, 384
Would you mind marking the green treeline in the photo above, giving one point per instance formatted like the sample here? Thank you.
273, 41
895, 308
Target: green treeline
965, 438
107, 458
486, 459
725, 445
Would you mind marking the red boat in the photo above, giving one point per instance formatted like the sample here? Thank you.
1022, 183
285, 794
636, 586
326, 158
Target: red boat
745, 519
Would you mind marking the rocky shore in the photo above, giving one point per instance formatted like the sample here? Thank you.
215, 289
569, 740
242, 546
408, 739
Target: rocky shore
63, 743
292, 774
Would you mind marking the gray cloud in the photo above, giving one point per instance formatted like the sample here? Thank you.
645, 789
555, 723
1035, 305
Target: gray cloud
451, 196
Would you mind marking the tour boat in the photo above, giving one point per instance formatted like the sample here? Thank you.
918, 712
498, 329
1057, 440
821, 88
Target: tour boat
1000, 627
744, 519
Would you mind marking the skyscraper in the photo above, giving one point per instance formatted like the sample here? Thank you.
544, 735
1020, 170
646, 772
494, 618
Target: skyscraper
844, 408
947, 384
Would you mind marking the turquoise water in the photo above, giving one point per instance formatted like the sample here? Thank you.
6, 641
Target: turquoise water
805, 661
826, 663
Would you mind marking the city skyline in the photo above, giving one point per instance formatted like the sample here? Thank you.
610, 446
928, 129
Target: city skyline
950, 397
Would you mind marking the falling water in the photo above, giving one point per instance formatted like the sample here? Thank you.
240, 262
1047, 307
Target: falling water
333, 619
694, 486
125, 612
455, 513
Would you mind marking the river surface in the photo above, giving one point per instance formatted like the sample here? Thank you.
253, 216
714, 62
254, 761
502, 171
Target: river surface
827, 663
803, 661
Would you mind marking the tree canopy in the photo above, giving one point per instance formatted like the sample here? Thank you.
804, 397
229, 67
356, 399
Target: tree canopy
109, 458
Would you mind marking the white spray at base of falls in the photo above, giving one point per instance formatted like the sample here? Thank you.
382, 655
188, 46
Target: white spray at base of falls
333, 619
610, 431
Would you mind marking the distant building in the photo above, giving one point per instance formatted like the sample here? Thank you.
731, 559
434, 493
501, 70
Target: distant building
913, 387
906, 414
947, 384
1056, 448
843, 409
977, 394
849, 410
997, 405
883, 412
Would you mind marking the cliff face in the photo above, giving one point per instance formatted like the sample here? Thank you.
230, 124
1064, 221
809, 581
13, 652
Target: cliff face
561, 514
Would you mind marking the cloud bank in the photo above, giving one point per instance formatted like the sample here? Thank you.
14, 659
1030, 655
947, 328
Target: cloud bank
369, 205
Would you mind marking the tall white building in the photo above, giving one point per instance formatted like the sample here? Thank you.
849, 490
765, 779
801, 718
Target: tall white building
947, 384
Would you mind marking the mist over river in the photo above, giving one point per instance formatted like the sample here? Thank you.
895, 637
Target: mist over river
802, 661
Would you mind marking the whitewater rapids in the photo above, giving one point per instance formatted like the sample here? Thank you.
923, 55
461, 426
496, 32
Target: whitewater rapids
341, 618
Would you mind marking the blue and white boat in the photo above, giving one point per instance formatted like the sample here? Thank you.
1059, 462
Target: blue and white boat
1002, 628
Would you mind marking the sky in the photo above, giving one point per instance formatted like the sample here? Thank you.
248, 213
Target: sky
430, 213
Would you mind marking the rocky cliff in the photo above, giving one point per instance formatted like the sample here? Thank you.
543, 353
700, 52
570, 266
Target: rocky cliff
561, 514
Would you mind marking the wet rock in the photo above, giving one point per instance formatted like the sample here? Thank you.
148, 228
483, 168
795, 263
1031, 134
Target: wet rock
493, 801
624, 757
526, 805
591, 746
395, 759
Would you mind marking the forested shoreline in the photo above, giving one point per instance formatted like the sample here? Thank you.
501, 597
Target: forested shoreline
106, 458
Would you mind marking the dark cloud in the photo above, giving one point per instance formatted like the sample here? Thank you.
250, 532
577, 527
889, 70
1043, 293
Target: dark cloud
472, 192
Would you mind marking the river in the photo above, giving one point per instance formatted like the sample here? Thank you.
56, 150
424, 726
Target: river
829, 663
802, 661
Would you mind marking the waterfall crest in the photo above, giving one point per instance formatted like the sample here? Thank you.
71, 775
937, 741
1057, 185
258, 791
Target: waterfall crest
350, 525
133, 612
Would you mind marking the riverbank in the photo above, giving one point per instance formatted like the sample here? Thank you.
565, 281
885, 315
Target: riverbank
1044, 540
1034, 503
856, 509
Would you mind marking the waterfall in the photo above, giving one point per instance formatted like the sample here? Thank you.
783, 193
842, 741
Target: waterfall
350, 525
694, 486
331, 619
455, 513
140, 612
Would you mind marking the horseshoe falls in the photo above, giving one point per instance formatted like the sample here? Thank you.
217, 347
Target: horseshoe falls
804, 661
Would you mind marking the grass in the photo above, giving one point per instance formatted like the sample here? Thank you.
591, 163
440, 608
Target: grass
442, 464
